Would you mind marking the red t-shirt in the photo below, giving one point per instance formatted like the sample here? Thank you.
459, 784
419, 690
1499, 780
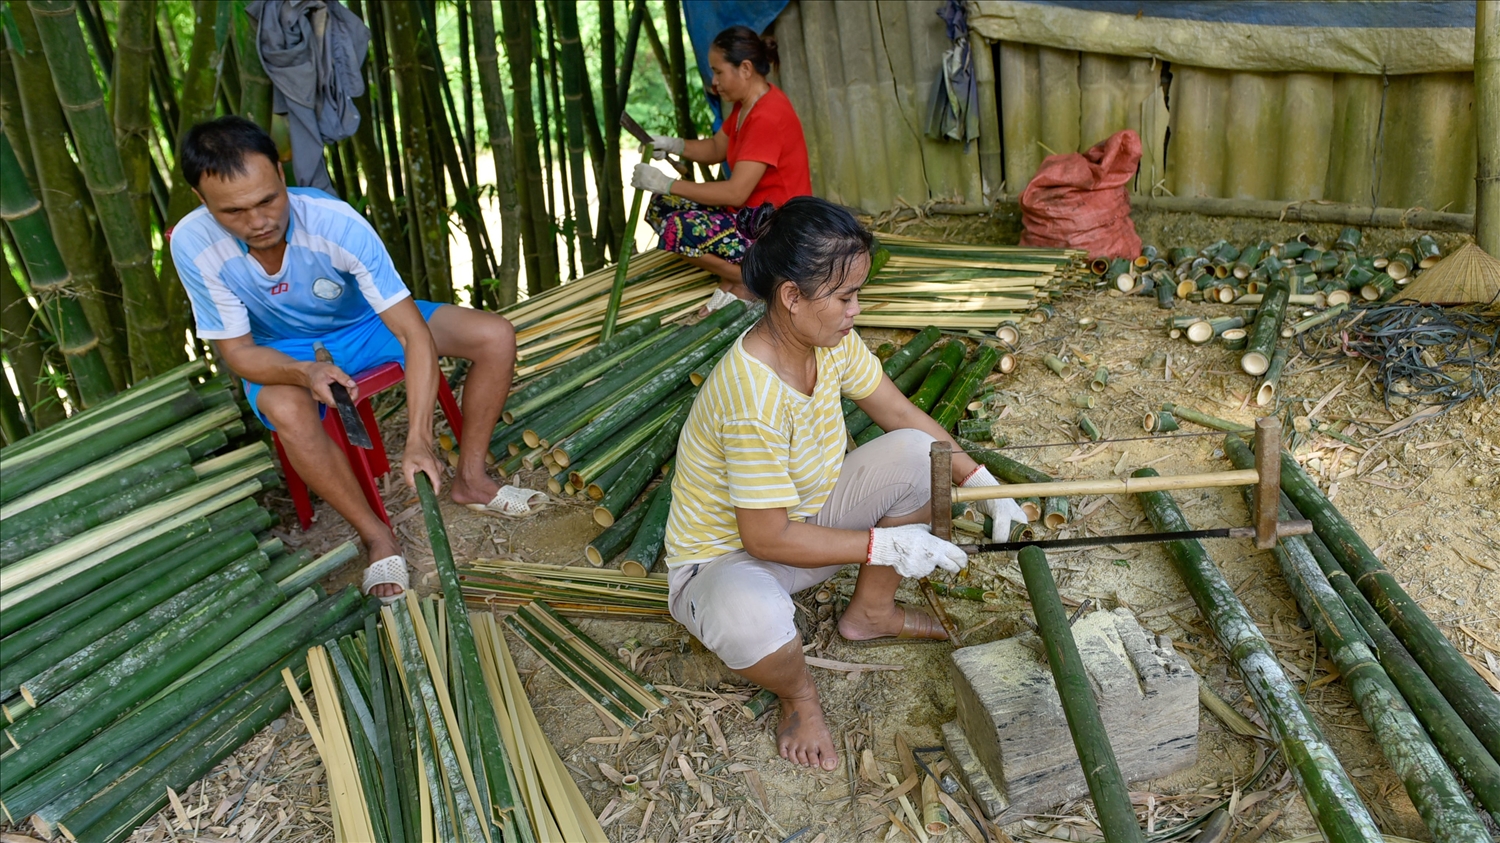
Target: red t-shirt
772, 135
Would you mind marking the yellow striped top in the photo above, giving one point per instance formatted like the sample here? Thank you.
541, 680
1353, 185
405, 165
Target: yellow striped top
752, 441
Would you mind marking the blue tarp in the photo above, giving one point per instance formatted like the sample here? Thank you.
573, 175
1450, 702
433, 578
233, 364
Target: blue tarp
707, 18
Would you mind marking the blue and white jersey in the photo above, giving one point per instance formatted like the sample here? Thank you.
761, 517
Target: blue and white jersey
336, 273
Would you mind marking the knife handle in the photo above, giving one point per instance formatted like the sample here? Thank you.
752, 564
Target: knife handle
320, 352
683, 168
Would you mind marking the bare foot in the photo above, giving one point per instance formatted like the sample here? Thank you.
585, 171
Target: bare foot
380, 548
480, 489
864, 624
803, 737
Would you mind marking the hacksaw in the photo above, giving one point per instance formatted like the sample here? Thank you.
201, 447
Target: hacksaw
1266, 528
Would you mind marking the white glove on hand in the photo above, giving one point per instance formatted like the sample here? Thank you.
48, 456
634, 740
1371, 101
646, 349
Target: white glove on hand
1003, 511
647, 177
661, 145
914, 551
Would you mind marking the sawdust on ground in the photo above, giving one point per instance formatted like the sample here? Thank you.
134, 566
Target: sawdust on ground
1425, 500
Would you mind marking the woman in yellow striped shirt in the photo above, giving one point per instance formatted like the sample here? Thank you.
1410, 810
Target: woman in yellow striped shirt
765, 502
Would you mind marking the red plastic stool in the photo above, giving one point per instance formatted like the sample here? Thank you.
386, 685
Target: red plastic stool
371, 464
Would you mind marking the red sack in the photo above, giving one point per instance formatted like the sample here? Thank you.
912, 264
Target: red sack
1078, 200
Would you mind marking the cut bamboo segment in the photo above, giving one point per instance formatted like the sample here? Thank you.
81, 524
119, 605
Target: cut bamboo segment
1266, 392
1234, 339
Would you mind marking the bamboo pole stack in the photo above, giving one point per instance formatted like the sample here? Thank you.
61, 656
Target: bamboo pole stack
145, 615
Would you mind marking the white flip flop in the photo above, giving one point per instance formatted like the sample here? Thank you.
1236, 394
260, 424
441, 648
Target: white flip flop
388, 571
511, 502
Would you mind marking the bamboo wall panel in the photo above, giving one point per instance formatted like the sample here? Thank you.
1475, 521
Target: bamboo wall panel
860, 74
1398, 141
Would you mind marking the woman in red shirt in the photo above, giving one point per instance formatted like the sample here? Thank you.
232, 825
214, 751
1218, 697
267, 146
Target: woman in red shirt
763, 144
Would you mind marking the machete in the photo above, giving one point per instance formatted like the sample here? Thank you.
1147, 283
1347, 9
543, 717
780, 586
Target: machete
628, 124
354, 426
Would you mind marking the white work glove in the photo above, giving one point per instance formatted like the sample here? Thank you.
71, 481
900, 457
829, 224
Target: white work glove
914, 551
1003, 511
661, 145
647, 177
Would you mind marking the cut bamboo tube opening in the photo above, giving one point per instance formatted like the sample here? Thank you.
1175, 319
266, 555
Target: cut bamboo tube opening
1108, 486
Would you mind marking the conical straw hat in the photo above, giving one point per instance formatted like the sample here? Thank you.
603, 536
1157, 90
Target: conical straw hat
1468, 276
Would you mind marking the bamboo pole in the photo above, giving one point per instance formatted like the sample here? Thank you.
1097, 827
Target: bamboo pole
21, 339
131, 101
573, 79
677, 79
612, 310
50, 281
1100, 769
1392, 718
377, 187
536, 237
1471, 698
422, 191
502, 150
151, 346
614, 91
54, 173
1487, 124
1133, 485
1336, 807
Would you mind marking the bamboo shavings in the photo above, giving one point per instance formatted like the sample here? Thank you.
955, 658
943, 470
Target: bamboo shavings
554, 802
351, 814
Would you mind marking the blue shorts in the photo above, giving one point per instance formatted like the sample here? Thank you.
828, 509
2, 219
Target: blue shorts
363, 345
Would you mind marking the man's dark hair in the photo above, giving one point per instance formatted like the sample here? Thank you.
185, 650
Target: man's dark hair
218, 148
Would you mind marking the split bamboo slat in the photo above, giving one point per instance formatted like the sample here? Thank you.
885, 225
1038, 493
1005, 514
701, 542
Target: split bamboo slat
143, 637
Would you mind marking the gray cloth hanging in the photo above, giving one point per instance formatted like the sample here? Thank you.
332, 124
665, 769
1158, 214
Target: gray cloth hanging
312, 51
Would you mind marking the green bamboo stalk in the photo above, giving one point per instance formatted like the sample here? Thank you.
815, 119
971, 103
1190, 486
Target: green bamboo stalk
571, 650
492, 760
641, 470
127, 560
612, 309
128, 801
383, 214
1267, 330
938, 378
1432, 788
623, 445
1471, 698
284, 566
650, 392
317, 569
1204, 419
613, 541
361, 727
93, 699
614, 93
385, 758
39, 517
567, 378
50, 280
21, 339
1100, 769
571, 674
1336, 807
130, 99
84, 519
540, 249
47, 644
955, 401
78, 431
502, 148
678, 80
255, 87
422, 193
33, 474
38, 573
39, 770
549, 78
651, 536
12, 420
858, 421
574, 77
45, 155
141, 392
185, 433
150, 339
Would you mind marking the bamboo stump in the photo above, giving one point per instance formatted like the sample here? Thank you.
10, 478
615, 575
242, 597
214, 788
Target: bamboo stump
1011, 742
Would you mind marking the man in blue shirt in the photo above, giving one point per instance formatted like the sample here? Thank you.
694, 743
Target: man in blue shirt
269, 270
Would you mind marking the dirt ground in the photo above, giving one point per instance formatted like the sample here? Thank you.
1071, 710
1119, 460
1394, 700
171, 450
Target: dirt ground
1425, 499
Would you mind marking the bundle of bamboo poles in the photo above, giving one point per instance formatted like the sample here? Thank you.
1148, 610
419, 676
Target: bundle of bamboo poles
572, 590
145, 612
959, 286
425, 730
1288, 289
